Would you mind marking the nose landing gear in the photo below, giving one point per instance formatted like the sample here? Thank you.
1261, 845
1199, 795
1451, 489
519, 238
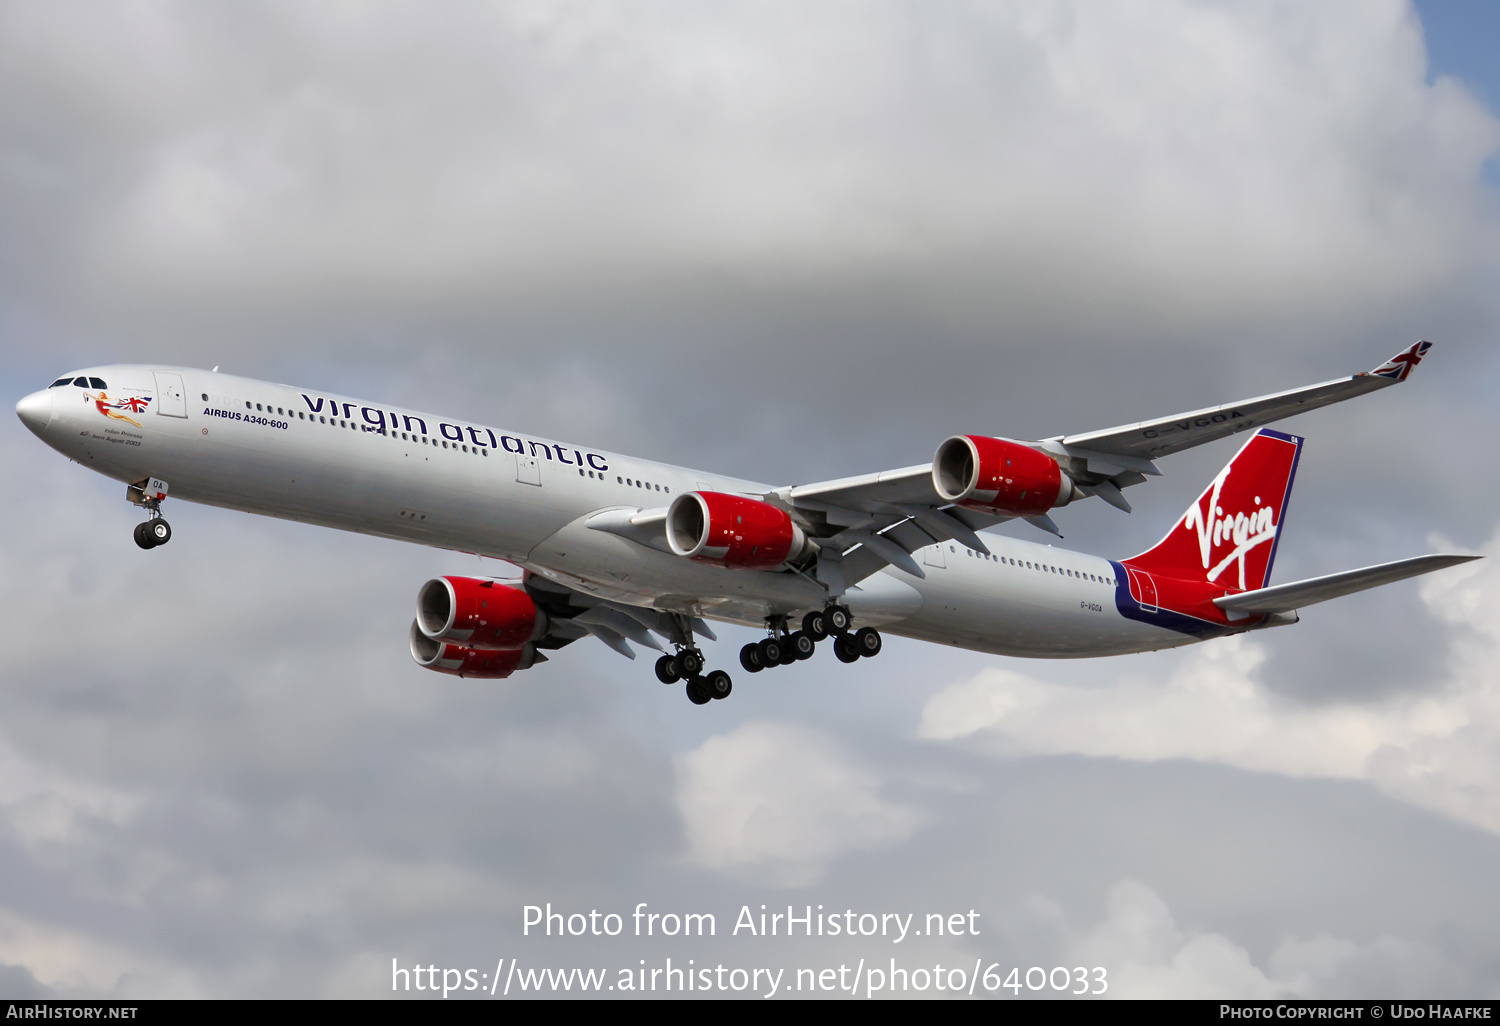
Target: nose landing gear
148, 494
152, 533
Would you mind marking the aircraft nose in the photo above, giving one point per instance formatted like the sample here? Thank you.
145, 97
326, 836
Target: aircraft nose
35, 411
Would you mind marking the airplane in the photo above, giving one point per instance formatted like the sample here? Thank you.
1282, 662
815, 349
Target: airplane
629, 550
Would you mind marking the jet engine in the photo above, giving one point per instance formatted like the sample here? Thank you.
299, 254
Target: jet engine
471, 627
462, 661
733, 531
995, 475
478, 613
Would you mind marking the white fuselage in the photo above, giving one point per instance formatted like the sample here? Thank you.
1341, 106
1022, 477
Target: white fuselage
377, 469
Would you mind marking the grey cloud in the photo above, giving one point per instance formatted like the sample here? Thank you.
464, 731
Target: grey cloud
17, 982
505, 161
784, 241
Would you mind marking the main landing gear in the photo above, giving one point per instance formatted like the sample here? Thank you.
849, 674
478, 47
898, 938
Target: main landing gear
782, 648
687, 664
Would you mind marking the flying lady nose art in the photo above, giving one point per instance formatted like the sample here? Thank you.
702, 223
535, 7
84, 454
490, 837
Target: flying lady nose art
135, 404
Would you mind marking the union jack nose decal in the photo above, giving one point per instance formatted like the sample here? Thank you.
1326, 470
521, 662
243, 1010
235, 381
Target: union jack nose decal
1399, 366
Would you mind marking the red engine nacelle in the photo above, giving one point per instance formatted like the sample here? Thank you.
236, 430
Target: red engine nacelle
462, 661
478, 614
732, 531
999, 476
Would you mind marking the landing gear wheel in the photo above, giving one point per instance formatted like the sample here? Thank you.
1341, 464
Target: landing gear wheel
159, 530
844, 649
802, 644
697, 691
814, 625
666, 670
718, 684
142, 538
770, 652
750, 658
837, 619
788, 653
867, 641
689, 663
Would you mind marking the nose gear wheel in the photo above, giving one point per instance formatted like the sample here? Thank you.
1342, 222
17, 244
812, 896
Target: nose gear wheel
152, 533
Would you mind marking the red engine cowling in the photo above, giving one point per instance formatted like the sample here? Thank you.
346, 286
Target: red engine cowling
478, 614
462, 661
999, 476
732, 531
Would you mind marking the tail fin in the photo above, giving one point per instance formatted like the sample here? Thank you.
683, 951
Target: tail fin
1229, 536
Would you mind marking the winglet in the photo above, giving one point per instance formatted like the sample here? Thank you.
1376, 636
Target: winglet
1400, 365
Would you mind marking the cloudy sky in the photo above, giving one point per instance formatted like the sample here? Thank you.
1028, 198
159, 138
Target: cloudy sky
791, 242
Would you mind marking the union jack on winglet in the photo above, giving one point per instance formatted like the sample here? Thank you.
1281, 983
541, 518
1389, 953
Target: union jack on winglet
1400, 365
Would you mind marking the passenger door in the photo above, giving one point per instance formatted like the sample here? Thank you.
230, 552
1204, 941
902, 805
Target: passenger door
171, 401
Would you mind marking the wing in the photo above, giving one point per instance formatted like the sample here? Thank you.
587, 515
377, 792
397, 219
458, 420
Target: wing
862, 524
1166, 435
573, 614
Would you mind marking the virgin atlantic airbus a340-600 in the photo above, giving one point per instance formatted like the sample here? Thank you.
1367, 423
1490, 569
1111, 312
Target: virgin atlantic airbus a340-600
624, 549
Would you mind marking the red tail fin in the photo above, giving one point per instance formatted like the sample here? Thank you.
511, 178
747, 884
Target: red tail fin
1229, 536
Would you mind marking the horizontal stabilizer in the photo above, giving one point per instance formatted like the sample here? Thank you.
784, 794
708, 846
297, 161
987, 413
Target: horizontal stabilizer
1285, 597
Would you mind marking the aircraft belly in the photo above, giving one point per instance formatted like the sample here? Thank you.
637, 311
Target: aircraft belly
883, 599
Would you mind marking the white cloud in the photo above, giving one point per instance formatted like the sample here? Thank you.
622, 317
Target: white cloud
74, 961
777, 802
1439, 749
1333, 967
1148, 954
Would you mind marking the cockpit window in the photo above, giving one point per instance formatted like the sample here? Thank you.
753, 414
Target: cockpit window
61, 381
81, 382
97, 383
